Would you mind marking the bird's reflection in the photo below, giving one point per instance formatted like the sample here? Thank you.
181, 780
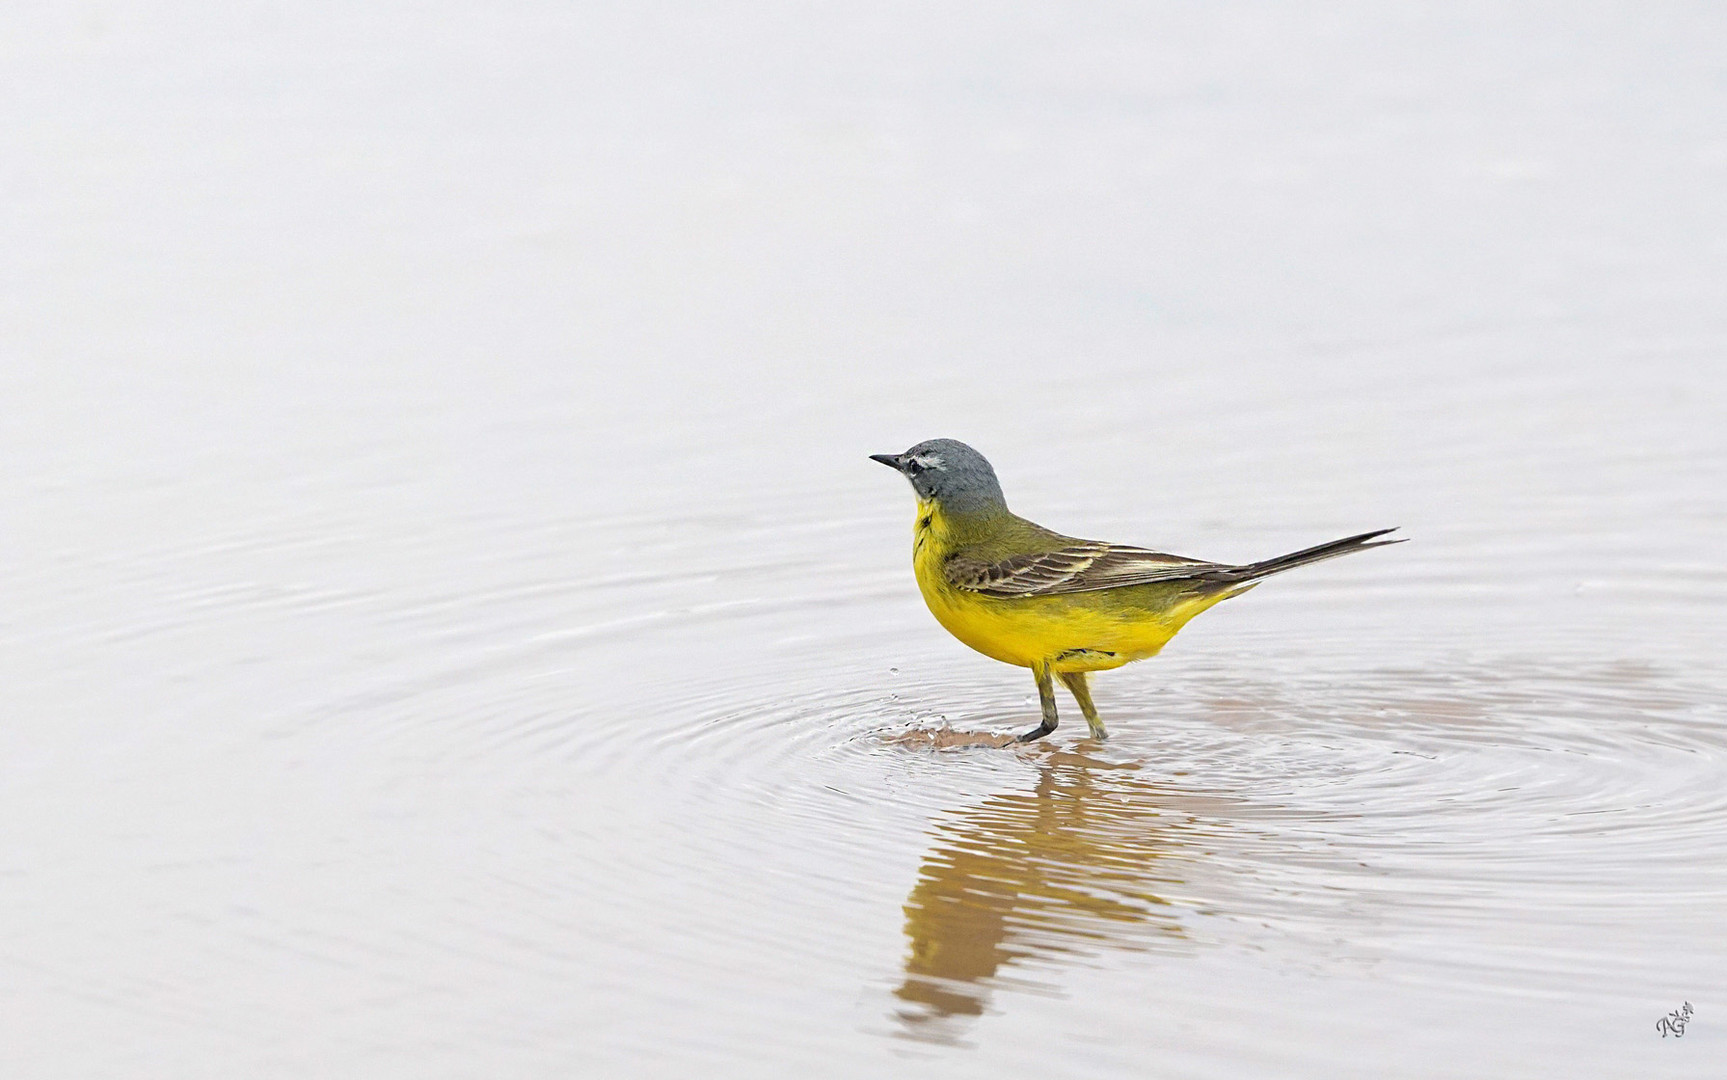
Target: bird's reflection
1082, 863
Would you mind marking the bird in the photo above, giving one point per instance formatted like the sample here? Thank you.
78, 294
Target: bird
1061, 606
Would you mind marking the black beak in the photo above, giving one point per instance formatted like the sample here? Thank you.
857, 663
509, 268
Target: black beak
892, 461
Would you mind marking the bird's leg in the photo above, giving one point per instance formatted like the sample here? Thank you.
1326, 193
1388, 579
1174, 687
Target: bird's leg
1077, 682
1045, 698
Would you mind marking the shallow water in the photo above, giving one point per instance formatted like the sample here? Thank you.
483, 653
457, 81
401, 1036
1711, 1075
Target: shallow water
452, 626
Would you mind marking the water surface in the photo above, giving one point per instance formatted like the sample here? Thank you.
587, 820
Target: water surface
452, 627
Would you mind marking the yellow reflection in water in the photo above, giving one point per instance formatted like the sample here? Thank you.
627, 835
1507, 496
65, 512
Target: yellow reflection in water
1078, 865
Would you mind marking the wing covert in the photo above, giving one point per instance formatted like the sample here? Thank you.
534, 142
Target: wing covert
1084, 566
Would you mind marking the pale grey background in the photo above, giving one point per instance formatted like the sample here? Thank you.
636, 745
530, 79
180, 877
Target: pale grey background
449, 617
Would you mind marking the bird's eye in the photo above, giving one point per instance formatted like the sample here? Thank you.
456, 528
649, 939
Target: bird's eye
913, 466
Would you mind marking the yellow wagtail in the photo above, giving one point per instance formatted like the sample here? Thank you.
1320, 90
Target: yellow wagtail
1024, 595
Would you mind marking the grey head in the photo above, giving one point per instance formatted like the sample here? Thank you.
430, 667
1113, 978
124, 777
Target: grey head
949, 472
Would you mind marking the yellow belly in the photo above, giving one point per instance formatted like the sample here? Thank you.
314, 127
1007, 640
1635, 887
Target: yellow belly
1090, 631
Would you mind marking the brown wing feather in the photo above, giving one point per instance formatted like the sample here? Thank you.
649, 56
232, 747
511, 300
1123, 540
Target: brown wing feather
1085, 566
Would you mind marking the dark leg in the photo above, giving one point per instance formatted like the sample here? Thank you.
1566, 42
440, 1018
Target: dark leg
1076, 681
1045, 698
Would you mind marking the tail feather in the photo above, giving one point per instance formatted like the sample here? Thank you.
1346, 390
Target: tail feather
1265, 568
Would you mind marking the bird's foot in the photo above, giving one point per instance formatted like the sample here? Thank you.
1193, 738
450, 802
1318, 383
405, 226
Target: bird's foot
1037, 732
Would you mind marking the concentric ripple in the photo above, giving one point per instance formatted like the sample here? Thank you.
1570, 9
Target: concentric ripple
722, 793
1469, 825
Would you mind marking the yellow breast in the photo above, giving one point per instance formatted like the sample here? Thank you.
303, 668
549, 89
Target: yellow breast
1089, 631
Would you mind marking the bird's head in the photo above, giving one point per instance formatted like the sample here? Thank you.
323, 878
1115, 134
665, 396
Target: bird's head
949, 473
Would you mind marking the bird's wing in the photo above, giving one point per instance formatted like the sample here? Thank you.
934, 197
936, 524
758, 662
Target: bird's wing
1082, 566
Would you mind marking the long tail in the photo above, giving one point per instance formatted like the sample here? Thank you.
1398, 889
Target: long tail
1235, 575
